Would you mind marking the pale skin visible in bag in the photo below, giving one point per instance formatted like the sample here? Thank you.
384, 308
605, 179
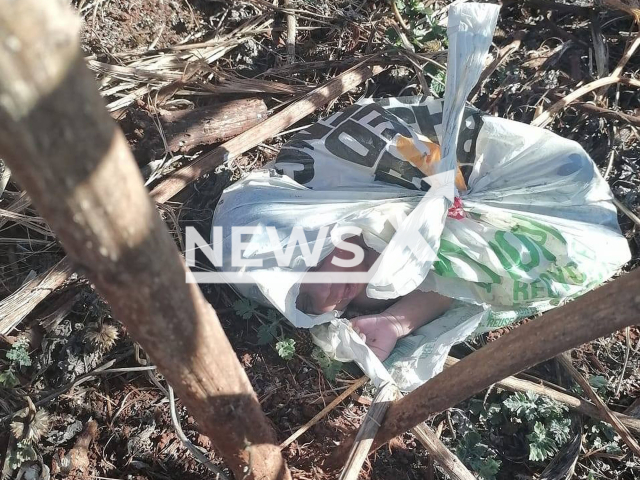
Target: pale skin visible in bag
398, 317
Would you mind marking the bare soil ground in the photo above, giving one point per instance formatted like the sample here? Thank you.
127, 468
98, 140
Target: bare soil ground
66, 334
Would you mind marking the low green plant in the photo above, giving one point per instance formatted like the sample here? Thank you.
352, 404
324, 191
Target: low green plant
541, 444
18, 357
271, 329
245, 308
478, 456
286, 348
329, 367
8, 378
425, 32
602, 436
24, 452
598, 382
545, 419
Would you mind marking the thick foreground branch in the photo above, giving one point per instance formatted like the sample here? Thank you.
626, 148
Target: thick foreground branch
66, 151
607, 309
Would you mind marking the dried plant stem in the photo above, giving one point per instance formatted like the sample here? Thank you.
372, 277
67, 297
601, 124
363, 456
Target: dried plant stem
624, 433
545, 118
360, 450
325, 411
441, 454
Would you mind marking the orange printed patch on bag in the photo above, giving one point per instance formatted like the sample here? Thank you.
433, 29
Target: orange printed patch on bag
425, 163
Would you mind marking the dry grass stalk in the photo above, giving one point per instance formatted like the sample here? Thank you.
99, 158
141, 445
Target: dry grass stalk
325, 411
20, 303
18, 205
291, 34
545, 118
619, 427
141, 76
441, 454
367, 432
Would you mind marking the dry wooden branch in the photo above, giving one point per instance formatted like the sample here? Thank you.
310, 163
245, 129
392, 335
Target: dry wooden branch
441, 454
619, 427
514, 384
76, 460
320, 415
544, 118
607, 113
600, 312
367, 432
249, 139
291, 33
20, 303
185, 130
309, 103
63, 147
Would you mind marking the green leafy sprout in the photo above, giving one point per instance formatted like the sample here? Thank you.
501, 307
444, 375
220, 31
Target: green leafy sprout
478, 456
550, 430
286, 348
329, 367
271, 328
18, 357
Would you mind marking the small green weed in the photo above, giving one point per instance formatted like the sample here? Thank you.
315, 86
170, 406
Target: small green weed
271, 328
329, 367
286, 348
245, 308
18, 357
545, 419
478, 456
425, 33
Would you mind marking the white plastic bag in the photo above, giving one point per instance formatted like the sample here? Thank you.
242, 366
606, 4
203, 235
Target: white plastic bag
535, 226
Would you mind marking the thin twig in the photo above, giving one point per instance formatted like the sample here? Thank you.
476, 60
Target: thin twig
607, 113
623, 208
202, 458
544, 118
611, 418
626, 360
631, 49
447, 460
503, 54
354, 386
370, 425
396, 13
